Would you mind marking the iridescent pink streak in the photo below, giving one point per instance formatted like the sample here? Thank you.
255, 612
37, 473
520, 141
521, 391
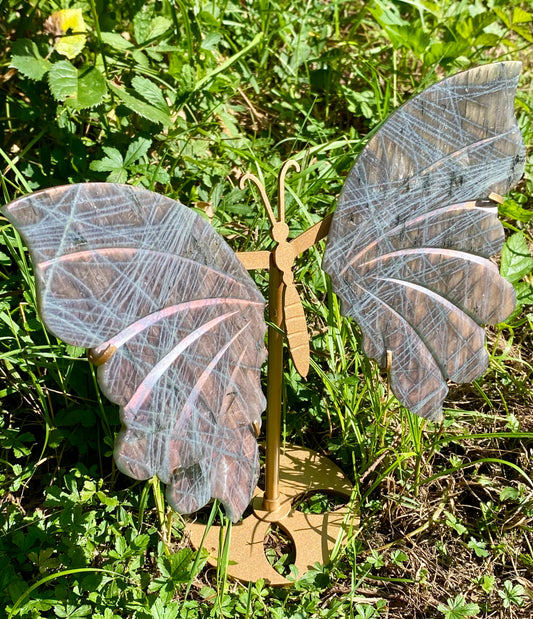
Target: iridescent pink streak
144, 389
416, 221
426, 251
173, 455
92, 253
122, 253
196, 390
144, 323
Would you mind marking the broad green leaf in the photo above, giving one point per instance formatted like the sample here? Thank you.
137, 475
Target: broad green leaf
114, 155
416, 39
112, 161
469, 27
159, 26
161, 609
524, 31
211, 40
79, 88
141, 23
359, 102
179, 565
487, 39
71, 23
482, 21
229, 124
508, 492
63, 80
502, 16
70, 611
486, 582
151, 173
73, 351
150, 91
137, 149
139, 107
512, 595
458, 608
446, 52
158, 175
524, 294
140, 58
516, 261
120, 175
398, 557
454, 524
146, 27
116, 41
28, 61
184, 73
479, 547
91, 88
108, 501
521, 17
422, 6
469, 610
511, 208
141, 541
386, 14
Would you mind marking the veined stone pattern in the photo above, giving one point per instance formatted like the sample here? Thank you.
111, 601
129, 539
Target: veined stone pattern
124, 267
409, 243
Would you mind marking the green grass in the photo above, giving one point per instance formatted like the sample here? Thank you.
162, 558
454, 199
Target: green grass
182, 98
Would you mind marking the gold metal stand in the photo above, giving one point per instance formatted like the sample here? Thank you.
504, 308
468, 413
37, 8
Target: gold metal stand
314, 535
297, 470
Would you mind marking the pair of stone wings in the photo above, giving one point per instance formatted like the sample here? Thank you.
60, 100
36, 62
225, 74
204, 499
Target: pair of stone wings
125, 271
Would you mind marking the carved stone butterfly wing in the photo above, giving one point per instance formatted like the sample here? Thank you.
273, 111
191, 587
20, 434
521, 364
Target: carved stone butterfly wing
120, 269
409, 243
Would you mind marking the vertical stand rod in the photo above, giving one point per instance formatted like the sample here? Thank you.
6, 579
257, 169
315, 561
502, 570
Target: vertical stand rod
271, 498
280, 267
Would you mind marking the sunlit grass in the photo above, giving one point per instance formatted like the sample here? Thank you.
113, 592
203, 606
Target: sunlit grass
444, 511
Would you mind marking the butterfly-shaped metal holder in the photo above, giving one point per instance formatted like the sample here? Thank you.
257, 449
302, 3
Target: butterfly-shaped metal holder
289, 472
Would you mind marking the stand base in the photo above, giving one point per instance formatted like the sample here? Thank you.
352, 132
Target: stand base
314, 535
